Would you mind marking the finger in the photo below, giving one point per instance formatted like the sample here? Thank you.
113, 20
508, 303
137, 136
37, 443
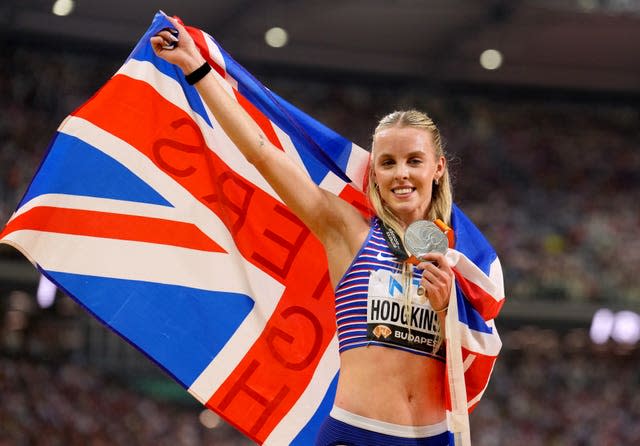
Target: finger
156, 40
162, 42
434, 296
436, 276
431, 268
437, 268
435, 288
168, 35
434, 257
439, 281
157, 44
423, 265
169, 38
178, 26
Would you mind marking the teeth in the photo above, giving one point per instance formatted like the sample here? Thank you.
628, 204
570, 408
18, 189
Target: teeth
405, 190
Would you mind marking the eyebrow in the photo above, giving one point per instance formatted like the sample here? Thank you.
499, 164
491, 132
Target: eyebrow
409, 155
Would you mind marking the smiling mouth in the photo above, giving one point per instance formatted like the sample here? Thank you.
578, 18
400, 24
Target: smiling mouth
403, 190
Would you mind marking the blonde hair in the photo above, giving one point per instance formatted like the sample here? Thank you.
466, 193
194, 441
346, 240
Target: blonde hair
442, 196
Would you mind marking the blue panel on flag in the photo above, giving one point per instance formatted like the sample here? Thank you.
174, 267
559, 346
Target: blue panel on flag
321, 149
308, 433
143, 52
76, 168
471, 242
337, 147
469, 315
180, 328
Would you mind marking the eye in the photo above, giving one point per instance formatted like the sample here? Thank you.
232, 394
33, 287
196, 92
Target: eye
415, 161
386, 162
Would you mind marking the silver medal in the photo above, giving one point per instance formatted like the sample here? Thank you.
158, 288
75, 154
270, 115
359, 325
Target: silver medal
422, 237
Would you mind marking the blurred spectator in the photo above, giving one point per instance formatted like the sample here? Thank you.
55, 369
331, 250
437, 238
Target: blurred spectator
53, 404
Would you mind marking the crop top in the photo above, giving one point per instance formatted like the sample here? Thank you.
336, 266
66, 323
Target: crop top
371, 307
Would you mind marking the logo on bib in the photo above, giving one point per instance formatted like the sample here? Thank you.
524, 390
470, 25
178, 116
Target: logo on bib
381, 331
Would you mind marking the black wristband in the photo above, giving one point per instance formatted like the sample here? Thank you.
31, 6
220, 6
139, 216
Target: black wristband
198, 74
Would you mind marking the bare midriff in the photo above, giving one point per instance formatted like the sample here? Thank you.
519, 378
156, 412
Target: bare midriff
391, 385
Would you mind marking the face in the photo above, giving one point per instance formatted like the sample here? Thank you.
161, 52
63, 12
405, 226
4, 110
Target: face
404, 168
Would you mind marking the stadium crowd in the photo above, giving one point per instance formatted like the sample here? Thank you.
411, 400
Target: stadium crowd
552, 182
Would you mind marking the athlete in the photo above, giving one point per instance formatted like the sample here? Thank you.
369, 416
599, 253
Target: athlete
390, 314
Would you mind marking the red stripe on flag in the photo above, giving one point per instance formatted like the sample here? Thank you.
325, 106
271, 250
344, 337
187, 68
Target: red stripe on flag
476, 377
483, 302
279, 366
199, 39
357, 199
114, 226
259, 118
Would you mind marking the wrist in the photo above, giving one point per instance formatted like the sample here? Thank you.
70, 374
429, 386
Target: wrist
192, 64
443, 309
198, 74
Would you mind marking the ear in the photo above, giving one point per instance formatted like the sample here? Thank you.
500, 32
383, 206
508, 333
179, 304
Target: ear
440, 168
370, 174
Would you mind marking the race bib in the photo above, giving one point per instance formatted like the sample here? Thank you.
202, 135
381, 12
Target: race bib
391, 320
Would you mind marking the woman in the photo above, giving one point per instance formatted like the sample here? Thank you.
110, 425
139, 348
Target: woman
391, 385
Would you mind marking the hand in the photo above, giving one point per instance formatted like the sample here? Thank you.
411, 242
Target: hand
437, 279
180, 50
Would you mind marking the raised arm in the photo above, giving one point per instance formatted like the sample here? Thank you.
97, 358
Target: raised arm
324, 213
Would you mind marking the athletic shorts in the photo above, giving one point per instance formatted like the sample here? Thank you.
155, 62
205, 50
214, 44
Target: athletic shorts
343, 428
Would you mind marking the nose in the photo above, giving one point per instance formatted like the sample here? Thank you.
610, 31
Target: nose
402, 172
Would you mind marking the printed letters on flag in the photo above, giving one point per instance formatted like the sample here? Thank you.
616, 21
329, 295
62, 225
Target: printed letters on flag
145, 213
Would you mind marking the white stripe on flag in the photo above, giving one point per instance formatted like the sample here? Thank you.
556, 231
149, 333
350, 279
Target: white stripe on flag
487, 343
131, 260
216, 55
473, 274
467, 362
458, 418
495, 274
332, 183
227, 359
103, 205
357, 166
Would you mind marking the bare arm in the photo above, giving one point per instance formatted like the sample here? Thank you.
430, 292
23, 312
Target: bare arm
328, 217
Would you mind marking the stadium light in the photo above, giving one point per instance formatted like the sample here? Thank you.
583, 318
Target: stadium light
63, 7
46, 293
623, 327
276, 37
588, 5
626, 329
209, 419
601, 326
491, 59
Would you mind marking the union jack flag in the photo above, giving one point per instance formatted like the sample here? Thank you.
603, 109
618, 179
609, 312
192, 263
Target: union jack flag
146, 214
